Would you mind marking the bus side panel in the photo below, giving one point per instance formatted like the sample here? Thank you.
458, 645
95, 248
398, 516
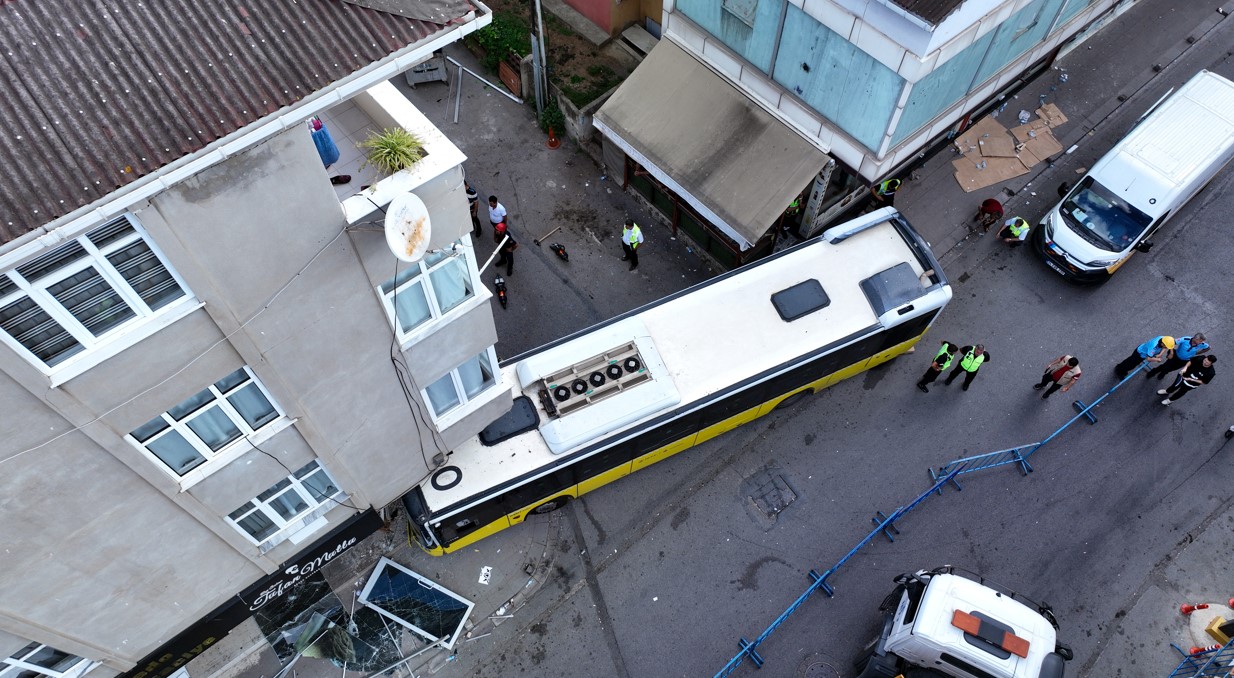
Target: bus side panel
517, 517
663, 453
477, 534
727, 424
604, 478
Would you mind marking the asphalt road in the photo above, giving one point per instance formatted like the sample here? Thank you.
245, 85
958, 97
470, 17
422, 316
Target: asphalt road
661, 572
667, 568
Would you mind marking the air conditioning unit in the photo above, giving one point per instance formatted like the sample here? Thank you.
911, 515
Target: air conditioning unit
592, 380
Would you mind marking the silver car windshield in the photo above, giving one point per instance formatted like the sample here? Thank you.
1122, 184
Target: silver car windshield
1103, 218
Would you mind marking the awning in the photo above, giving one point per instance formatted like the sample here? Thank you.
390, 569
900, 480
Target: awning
721, 152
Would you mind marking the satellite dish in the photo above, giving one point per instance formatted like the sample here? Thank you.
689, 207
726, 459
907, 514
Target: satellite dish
407, 227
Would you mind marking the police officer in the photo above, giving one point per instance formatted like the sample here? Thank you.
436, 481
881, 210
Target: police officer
631, 238
885, 192
974, 357
1015, 231
942, 360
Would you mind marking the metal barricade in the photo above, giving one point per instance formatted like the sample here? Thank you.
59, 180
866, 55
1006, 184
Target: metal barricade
884, 526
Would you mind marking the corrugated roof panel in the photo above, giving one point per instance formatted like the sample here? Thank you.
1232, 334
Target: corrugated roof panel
101, 92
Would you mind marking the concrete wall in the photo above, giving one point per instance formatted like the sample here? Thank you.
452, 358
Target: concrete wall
107, 553
874, 34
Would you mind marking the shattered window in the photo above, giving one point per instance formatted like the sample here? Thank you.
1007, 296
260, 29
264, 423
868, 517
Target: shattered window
417, 603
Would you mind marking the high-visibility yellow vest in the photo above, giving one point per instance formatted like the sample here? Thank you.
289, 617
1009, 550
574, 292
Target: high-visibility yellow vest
889, 187
972, 363
1018, 226
938, 358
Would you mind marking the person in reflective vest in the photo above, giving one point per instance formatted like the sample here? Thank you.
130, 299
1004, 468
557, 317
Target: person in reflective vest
974, 358
942, 360
631, 238
885, 192
1015, 231
790, 216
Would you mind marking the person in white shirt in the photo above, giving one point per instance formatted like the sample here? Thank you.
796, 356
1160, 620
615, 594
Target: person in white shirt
631, 238
496, 211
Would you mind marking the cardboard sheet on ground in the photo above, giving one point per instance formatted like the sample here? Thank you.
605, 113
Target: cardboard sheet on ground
1040, 148
986, 128
1030, 130
996, 170
1002, 146
992, 154
1052, 115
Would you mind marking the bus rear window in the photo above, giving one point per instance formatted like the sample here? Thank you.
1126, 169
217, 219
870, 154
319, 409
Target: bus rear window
891, 288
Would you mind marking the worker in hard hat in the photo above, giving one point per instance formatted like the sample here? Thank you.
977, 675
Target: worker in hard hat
1152, 351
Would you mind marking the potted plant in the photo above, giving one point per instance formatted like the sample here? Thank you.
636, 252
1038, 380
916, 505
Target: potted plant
392, 149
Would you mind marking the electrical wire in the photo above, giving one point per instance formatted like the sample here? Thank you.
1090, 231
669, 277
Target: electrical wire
407, 383
291, 473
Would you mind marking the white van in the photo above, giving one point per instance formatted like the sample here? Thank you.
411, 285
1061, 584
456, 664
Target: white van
1175, 149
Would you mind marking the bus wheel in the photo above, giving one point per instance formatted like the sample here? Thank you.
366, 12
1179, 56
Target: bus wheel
793, 399
550, 505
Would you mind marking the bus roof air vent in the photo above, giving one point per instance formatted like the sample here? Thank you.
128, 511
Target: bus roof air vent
800, 300
594, 379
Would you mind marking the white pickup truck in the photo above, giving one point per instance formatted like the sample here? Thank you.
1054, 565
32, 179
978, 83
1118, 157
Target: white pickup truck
940, 623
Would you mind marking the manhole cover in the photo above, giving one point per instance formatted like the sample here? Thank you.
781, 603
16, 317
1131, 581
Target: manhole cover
766, 494
818, 669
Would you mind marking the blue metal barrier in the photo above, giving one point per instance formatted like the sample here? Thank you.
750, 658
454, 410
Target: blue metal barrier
1205, 664
1019, 455
885, 524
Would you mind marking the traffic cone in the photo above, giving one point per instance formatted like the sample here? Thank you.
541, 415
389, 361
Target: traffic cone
553, 141
1188, 609
1195, 649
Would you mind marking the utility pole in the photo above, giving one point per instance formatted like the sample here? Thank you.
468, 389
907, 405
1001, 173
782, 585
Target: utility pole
539, 62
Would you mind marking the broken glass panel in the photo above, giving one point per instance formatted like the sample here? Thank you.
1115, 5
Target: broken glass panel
417, 603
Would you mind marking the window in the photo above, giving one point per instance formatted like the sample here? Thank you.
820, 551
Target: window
36, 660
428, 289
200, 428
290, 504
75, 297
463, 383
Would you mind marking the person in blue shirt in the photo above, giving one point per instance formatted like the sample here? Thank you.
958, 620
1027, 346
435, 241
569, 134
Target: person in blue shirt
1186, 349
1154, 350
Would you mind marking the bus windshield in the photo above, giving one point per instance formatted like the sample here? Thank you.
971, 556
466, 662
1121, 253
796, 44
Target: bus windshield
1103, 218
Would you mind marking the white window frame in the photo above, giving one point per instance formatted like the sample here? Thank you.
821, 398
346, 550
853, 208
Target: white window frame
12, 665
95, 349
465, 405
290, 528
436, 315
228, 453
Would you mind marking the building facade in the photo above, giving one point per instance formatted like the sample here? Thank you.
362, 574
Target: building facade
868, 84
218, 366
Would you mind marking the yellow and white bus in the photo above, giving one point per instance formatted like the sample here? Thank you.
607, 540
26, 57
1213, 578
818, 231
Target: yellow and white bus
614, 398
